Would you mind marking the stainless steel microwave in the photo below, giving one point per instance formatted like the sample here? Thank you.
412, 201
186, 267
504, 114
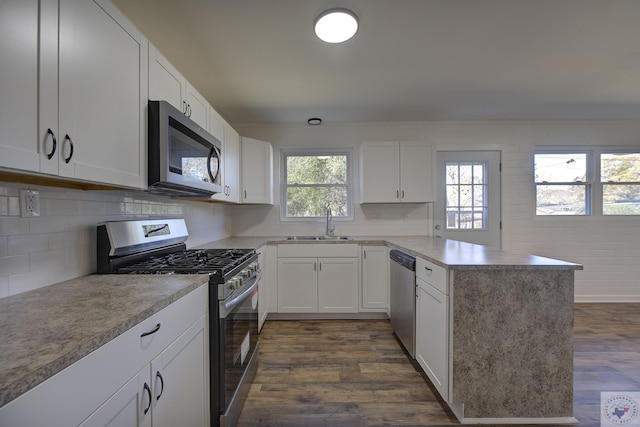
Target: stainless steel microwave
184, 159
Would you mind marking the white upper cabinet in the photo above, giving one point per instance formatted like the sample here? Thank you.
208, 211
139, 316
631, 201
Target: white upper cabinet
396, 172
19, 85
230, 163
167, 84
197, 107
92, 91
92, 69
257, 171
102, 66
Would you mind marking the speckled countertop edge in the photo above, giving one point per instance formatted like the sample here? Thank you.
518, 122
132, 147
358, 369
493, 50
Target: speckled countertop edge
46, 330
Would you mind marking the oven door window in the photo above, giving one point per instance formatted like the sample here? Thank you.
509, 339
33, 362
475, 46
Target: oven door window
191, 156
240, 332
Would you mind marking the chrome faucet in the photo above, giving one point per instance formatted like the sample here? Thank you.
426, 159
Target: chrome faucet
329, 228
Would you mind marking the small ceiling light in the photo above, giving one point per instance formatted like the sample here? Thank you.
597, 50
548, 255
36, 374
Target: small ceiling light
336, 25
314, 121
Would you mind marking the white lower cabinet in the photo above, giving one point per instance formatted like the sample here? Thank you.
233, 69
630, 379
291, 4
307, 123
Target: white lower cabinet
375, 278
136, 379
318, 284
122, 408
263, 286
297, 285
180, 392
432, 325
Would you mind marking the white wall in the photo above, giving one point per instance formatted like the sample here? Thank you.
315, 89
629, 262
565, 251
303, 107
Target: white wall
609, 248
61, 243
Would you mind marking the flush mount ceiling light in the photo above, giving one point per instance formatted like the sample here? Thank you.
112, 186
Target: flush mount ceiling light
314, 121
336, 25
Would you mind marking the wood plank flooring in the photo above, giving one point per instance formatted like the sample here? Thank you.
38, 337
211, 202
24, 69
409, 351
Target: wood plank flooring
352, 373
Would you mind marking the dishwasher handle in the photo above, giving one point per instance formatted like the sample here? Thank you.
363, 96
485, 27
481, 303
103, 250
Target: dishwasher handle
407, 261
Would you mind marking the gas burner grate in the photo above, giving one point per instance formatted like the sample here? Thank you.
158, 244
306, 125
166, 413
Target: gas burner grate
214, 261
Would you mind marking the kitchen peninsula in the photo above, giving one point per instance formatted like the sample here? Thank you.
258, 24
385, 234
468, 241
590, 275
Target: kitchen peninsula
509, 327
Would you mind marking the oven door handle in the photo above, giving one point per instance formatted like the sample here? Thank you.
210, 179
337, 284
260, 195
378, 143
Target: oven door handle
230, 305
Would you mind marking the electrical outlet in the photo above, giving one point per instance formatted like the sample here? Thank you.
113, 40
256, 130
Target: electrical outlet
29, 203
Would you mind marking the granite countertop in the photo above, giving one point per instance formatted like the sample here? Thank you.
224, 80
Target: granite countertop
45, 330
450, 254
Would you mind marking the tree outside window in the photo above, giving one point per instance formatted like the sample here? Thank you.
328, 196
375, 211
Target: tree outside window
314, 181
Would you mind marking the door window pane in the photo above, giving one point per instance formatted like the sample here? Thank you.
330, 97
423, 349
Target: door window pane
466, 204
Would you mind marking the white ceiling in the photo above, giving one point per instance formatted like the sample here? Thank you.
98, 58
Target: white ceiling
412, 60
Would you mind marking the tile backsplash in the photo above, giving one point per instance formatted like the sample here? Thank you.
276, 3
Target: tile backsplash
60, 244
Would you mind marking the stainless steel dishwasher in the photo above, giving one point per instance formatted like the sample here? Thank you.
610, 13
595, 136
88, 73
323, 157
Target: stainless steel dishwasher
403, 299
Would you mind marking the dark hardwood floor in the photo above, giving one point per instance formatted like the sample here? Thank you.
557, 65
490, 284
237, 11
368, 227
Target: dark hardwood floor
354, 373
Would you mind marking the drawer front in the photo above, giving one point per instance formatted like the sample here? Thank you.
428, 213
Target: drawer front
318, 250
433, 274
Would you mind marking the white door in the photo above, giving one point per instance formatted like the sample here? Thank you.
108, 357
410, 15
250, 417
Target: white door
468, 206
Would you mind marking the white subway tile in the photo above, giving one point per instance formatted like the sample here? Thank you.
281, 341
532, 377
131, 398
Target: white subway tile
10, 225
46, 259
30, 280
4, 287
11, 265
14, 206
4, 206
25, 243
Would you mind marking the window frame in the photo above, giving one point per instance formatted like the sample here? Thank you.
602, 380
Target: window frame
595, 186
286, 152
588, 184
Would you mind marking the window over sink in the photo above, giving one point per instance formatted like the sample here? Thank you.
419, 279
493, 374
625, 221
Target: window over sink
314, 179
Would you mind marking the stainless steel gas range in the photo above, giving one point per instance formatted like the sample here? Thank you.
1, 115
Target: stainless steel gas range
158, 247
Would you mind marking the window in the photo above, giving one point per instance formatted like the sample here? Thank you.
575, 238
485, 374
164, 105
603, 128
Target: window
562, 184
588, 182
466, 191
314, 180
620, 178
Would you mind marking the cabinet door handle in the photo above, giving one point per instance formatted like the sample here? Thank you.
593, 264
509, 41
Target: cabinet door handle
245, 194
159, 375
151, 332
184, 107
55, 144
365, 254
428, 269
320, 265
397, 194
403, 194
148, 390
189, 110
68, 138
315, 265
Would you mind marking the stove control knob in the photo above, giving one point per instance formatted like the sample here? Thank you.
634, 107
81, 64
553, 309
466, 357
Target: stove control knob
235, 283
245, 273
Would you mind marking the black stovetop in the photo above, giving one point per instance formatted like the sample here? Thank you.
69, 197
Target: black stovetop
219, 262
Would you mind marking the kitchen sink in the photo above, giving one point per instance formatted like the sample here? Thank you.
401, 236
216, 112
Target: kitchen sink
317, 238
